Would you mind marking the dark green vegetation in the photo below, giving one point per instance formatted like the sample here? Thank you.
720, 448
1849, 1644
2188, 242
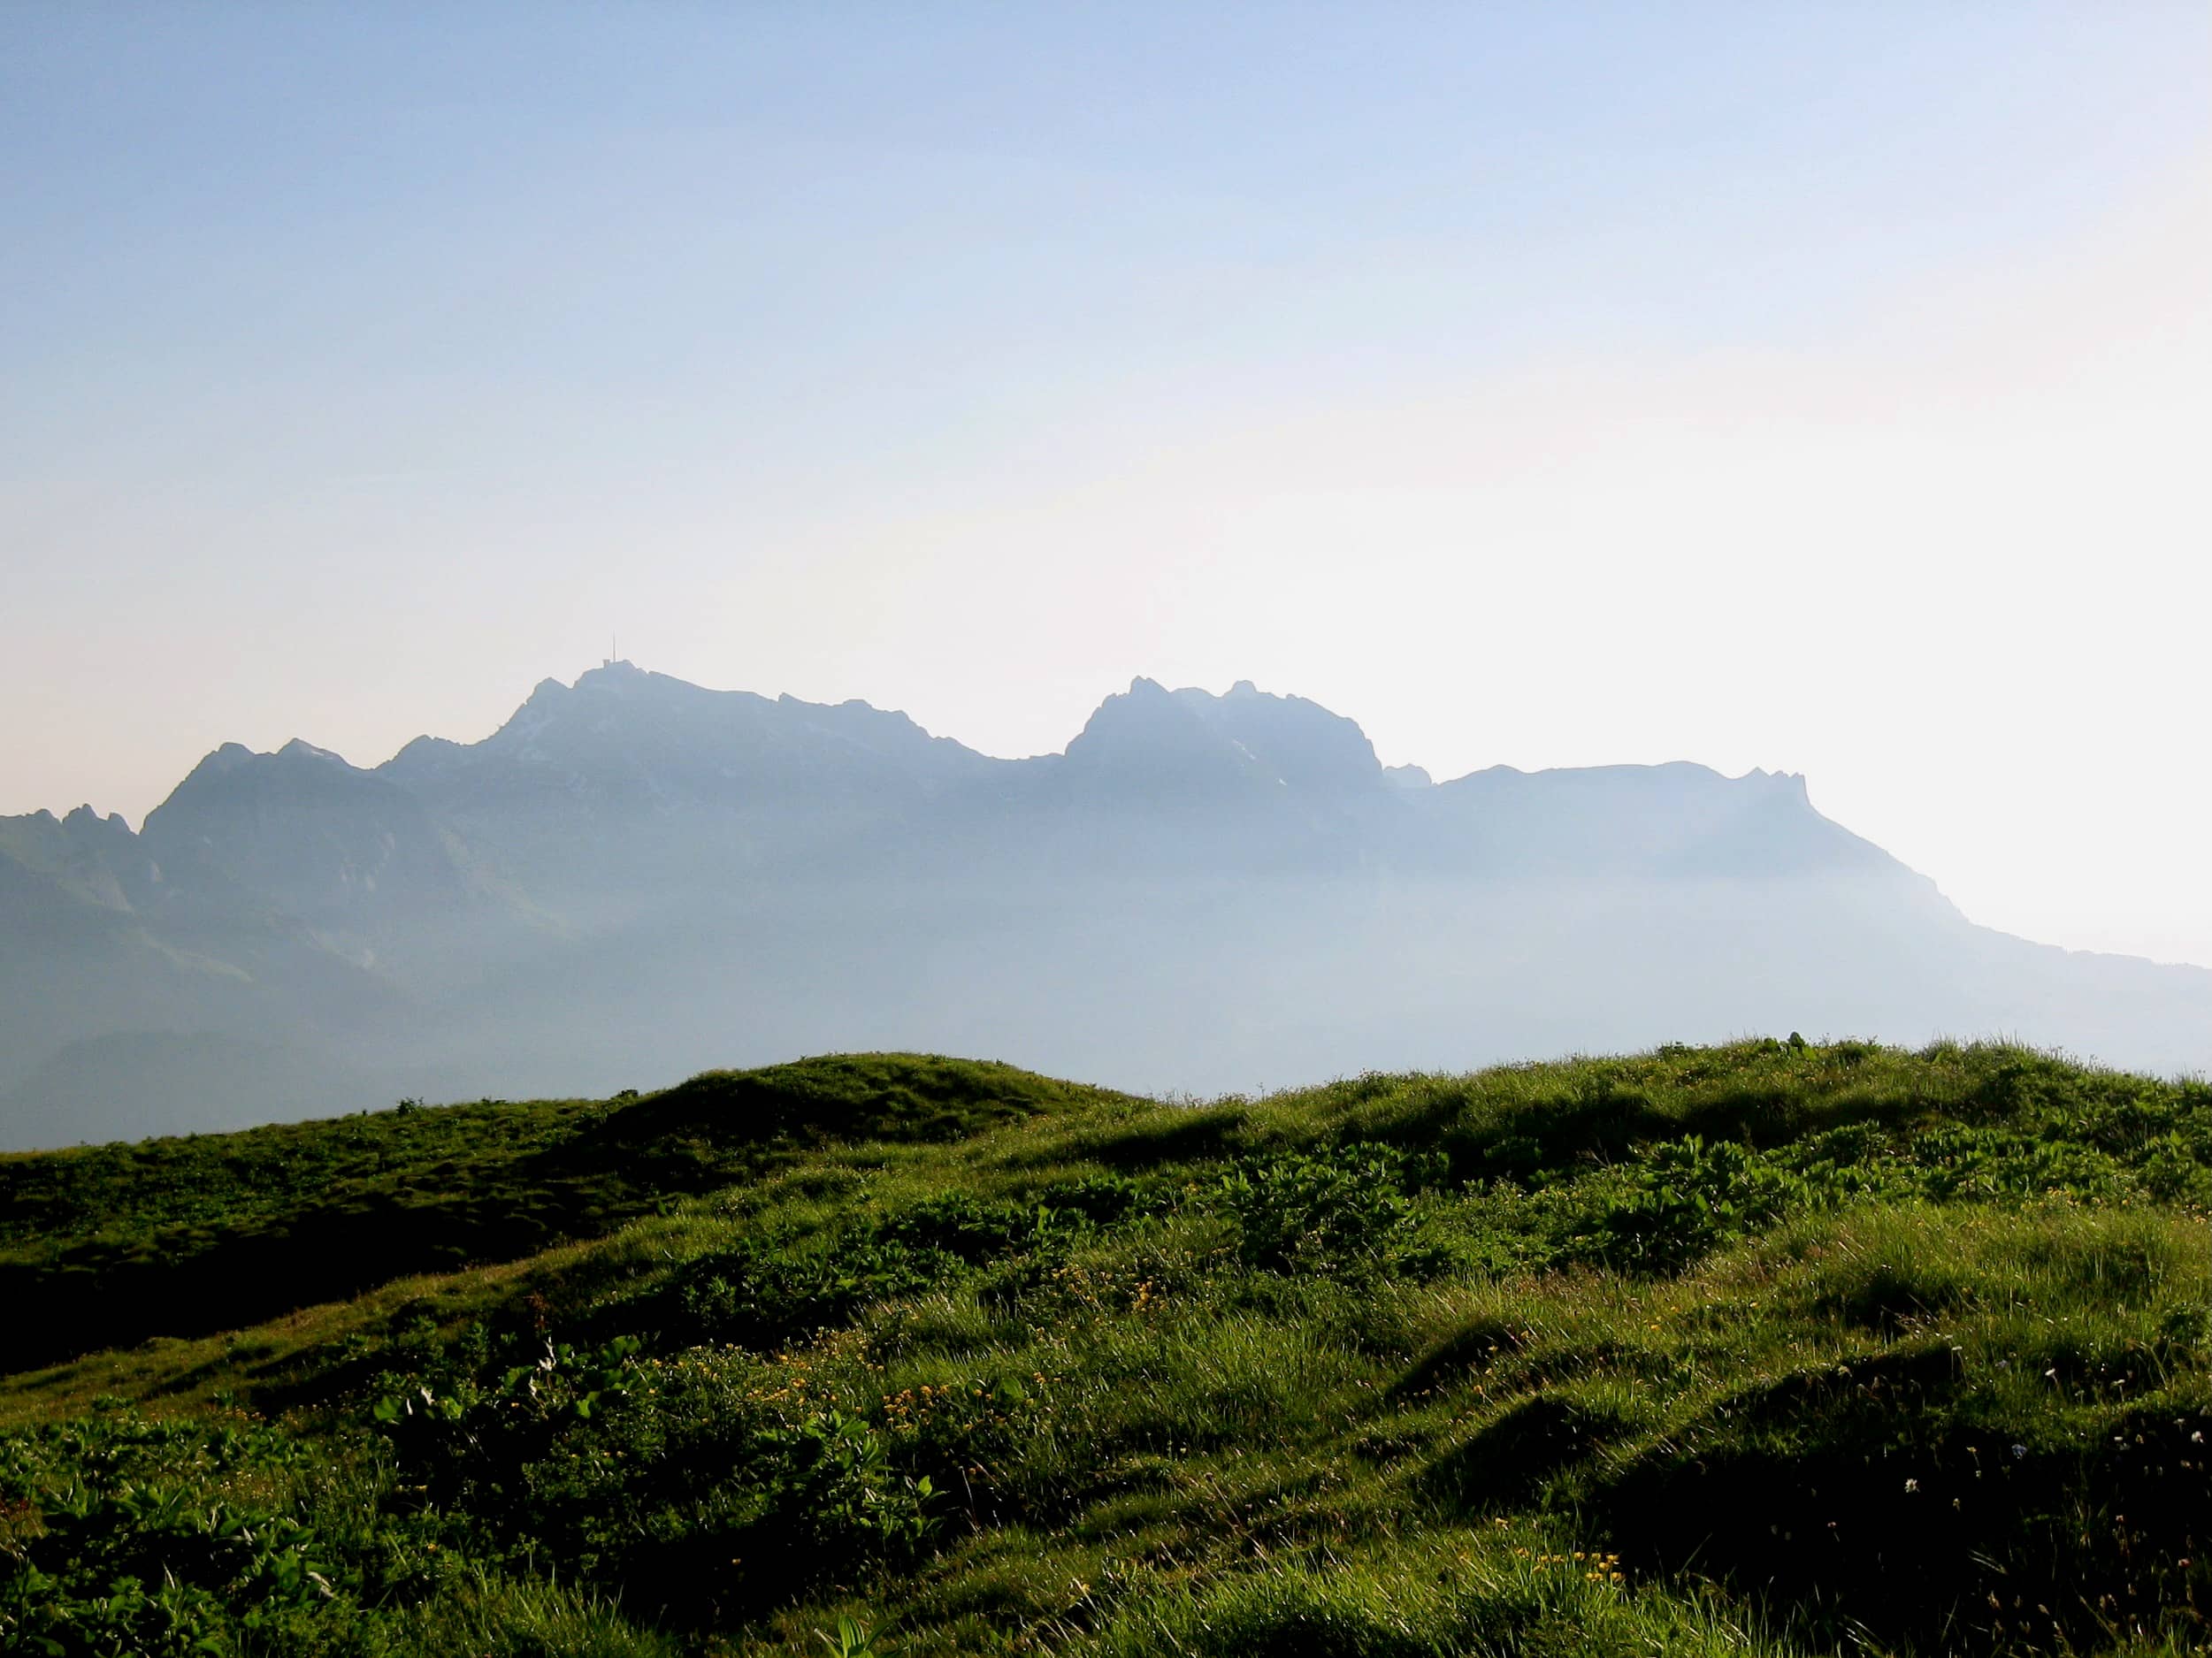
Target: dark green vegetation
1779, 1347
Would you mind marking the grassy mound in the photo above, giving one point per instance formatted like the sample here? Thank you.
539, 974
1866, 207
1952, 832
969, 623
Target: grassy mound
1776, 1347
108, 1245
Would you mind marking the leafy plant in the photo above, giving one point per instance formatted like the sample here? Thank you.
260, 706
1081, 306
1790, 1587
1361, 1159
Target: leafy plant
855, 1640
1344, 1213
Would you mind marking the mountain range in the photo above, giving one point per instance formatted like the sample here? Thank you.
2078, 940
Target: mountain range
635, 877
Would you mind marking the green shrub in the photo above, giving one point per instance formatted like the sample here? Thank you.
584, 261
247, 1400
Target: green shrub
1347, 1213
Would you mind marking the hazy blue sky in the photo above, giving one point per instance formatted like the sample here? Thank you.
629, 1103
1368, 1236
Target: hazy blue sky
1820, 387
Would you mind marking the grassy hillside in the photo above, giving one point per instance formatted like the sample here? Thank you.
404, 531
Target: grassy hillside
108, 1245
1777, 1347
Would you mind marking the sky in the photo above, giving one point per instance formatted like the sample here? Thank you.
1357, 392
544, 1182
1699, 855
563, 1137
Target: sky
1820, 387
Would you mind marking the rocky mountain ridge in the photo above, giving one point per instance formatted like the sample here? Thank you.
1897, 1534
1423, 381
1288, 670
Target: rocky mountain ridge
632, 858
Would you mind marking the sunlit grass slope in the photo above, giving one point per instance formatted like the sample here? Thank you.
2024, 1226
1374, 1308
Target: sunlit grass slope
1777, 1347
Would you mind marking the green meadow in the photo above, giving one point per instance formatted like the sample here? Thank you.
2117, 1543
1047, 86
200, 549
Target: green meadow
1779, 1347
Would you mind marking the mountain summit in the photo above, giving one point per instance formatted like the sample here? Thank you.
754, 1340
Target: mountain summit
625, 738
1154, 741
635, 876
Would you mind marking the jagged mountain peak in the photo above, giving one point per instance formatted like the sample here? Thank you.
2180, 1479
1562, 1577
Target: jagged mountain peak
300, 749
86, 827
235, 761
227, 757
307, 833
1191, 740
298, 766
625, 738
93, 856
